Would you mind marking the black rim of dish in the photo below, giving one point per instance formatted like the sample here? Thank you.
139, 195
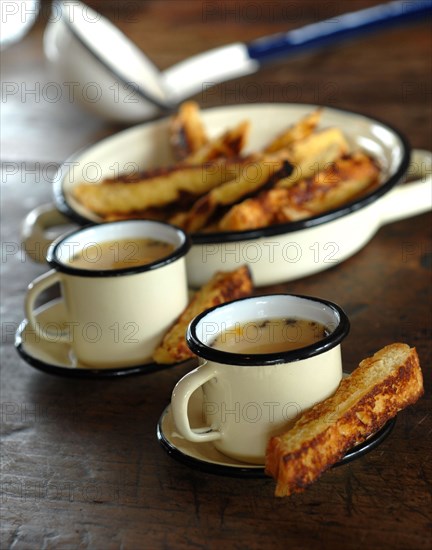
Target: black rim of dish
178, 253
252, 360
67, 209
253, 471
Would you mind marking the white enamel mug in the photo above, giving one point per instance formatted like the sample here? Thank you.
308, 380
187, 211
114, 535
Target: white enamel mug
115, 317
248, 398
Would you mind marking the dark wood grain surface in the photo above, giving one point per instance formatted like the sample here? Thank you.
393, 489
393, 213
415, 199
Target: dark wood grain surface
81, 465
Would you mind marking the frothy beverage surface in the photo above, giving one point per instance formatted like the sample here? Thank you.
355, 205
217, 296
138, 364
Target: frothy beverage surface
270, 336
121, 254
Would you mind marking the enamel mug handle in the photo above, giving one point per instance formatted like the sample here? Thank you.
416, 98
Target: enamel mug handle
34, 230
34, 289
413, 197
179, 405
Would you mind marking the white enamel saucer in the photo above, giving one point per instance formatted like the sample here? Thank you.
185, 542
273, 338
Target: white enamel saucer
57, 357
203, 456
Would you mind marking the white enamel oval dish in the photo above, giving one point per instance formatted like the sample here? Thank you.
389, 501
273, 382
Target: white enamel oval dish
279, 253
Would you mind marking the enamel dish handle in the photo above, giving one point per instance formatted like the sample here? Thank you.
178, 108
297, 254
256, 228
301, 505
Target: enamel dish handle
413, 197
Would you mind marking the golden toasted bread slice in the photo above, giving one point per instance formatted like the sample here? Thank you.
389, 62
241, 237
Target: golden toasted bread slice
254, 176
190, 143
300, 130
223, 287
186, 131
229, 144
308, 149
308, 161
376, 391
127, 195
259, 211
340, 182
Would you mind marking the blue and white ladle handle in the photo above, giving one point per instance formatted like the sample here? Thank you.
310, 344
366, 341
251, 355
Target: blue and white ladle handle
235, 60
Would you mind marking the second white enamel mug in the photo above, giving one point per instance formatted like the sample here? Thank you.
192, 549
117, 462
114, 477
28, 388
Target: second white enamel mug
247, 398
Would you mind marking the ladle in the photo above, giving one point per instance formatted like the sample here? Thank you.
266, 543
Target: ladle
162, 91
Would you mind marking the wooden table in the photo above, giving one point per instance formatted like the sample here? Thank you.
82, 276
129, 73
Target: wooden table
82, 467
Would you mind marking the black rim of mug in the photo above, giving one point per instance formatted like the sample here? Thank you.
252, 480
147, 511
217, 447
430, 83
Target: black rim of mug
251, 360
178, 253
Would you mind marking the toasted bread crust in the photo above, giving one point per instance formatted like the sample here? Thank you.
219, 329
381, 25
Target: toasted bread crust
187, 133
264, 170
156, 188
376, 391
300, 130
329, 188
229, 144
223, 287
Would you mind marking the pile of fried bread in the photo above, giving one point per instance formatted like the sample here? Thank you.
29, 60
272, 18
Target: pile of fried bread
214, 186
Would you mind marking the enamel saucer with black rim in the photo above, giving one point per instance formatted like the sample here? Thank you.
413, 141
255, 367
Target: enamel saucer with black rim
205, 457
58, 358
